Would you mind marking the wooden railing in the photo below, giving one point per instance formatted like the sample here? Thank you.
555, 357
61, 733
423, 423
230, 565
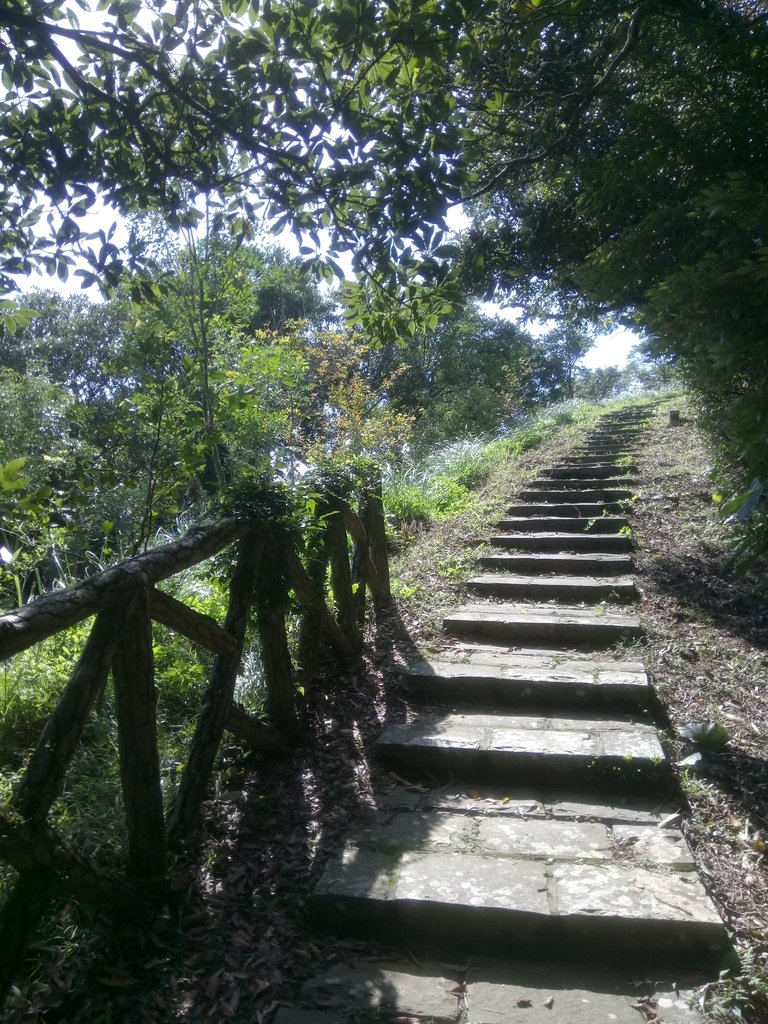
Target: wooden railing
125, 601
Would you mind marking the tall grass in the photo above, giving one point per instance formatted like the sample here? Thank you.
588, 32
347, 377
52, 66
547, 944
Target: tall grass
438, 483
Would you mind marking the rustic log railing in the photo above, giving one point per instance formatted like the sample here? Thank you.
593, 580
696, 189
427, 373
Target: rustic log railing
125, 601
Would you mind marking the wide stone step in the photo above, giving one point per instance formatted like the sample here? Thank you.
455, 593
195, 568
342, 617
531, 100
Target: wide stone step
582, 483
584, 510
564, 524
588, 589
556, 888
543, 623
590, 470
566, 541
582, 495
606, 461
562, 564
586, 754
533, 681
409, 990
601, 451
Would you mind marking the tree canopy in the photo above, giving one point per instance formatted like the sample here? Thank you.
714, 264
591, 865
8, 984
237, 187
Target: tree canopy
613, 154
330, 115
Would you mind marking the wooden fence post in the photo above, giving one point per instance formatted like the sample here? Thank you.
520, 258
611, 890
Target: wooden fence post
312, 651
42, 782
280, 703
376, 531
218, 697
43, 778
271, 599
20, 916
133, 670
341, 576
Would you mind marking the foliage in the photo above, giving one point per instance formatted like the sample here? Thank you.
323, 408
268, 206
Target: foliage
469, 374
438, 483
706, 735
325, 116
621, 170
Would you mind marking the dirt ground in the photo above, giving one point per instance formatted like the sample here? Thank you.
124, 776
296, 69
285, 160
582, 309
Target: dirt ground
238, 941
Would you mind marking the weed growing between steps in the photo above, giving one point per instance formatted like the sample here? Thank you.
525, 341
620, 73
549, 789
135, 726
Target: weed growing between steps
707, 647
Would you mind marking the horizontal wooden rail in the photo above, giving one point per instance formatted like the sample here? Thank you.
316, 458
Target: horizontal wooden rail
275, 571
24, 627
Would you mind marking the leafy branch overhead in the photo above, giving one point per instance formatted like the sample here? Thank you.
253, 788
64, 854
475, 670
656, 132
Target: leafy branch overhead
324, 116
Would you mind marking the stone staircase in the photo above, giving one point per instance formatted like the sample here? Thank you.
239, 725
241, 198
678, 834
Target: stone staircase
547, 831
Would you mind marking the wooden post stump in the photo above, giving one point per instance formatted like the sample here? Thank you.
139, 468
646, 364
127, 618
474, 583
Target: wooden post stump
133, 671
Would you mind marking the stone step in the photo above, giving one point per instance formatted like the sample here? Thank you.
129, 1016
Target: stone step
531, 623
616, 430
512, 885
563, 524
607, 461
534, 681
562, 564
580, 483
566, 541
586, 754
601, 451
591, 470
583, 510
587, 589
409, 990
581, 495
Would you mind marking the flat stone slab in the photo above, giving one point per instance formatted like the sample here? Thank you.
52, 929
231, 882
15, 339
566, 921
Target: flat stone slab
579, 482
484, 801
519, 884
513, 683
526, 835
588, 589
485, 991
566, 625
578, 494
562, 541
561, 563
529, 658
598, 753
580, 509
592, 470
563, 524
